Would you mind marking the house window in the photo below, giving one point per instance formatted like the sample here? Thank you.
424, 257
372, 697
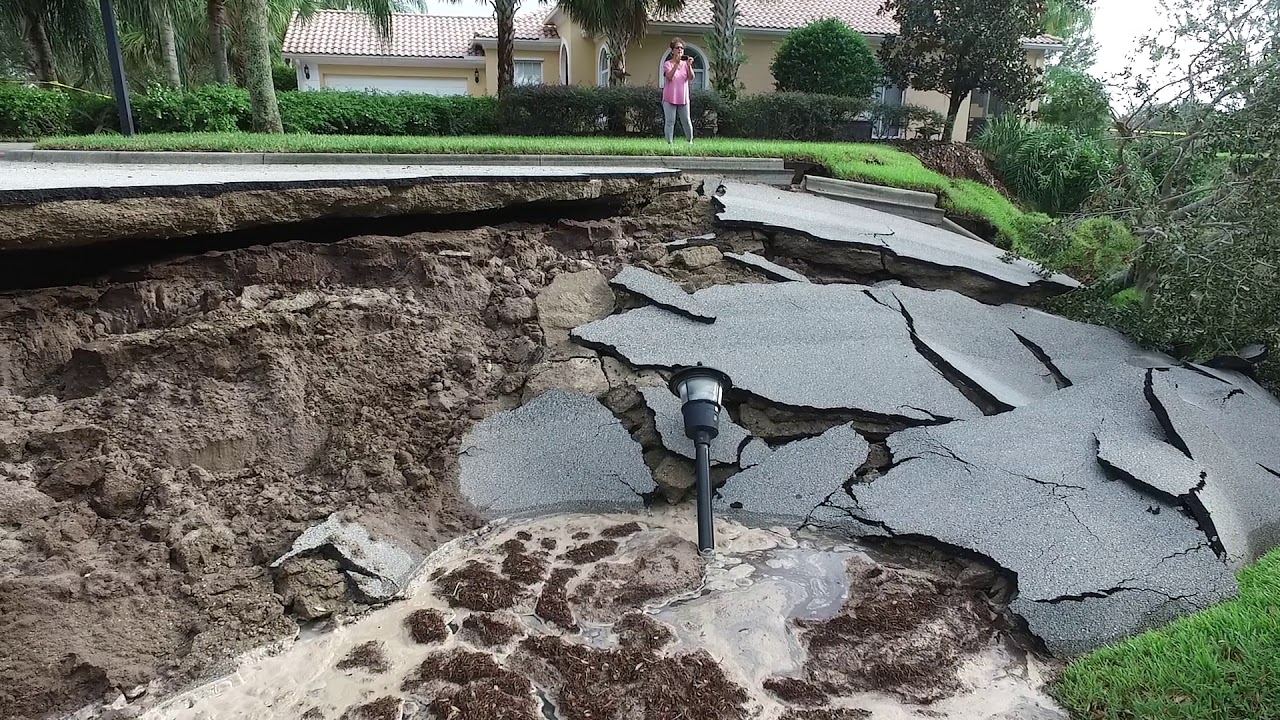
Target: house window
603, 67
889, 96
528, 72
564, 64
699, 67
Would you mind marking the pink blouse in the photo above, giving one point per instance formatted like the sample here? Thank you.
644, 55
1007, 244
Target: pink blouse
676, 91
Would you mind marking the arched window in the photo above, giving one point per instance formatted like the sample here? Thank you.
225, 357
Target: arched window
603, 68
564, 63
699, 66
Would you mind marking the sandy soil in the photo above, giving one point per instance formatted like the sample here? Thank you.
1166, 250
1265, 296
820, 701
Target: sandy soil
754, 633
166, 433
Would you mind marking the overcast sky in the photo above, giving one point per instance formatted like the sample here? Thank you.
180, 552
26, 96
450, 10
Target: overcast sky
1117, 25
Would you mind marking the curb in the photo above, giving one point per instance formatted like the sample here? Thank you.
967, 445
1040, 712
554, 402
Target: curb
910, 204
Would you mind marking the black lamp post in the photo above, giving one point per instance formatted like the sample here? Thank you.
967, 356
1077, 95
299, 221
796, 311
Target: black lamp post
701, 389
117, 67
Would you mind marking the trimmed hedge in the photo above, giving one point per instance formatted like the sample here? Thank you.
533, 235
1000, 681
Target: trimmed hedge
32, 112
530, 111
565, 110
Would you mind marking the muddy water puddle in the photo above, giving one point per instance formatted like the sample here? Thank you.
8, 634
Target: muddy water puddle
644, 627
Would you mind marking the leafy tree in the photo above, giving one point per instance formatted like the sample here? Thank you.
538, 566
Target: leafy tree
826, 57
958, 46
620, 22
1072, 20
725, 48
50, 29
1075, 99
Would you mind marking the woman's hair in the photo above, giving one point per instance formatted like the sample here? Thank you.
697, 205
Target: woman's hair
675, 42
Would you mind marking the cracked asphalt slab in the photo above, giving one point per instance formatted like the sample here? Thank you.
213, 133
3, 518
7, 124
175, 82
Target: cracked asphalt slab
562, 451
795, 344
662, 293
669, 422
832, 221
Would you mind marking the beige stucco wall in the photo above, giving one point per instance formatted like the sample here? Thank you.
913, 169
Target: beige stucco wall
582, 52
473, 88
939, 101
550, 67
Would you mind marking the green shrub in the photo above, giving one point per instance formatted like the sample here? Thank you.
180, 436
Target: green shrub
1091, 251
922, 121
358, 113
1052, 168
32, 112
92, 113
794, 116
284, 77
1075, 99
207, 108
562, 110
826, 57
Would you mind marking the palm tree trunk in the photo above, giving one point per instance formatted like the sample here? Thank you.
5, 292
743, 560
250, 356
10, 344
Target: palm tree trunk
618, 42
505, 11
169, 46
36, 37
217, 11
726, 48
262, 91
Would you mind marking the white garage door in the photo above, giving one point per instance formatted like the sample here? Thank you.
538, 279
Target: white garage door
425, 86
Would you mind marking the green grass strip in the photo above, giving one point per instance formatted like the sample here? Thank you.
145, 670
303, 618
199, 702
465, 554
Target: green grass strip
879, 164
1219, 664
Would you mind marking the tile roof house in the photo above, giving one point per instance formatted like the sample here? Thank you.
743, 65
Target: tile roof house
444, 55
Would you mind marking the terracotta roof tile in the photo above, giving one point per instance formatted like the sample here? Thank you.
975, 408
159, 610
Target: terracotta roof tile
861, 15
348, 32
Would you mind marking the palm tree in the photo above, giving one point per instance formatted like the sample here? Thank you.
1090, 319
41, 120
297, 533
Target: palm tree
504, 14
620, 22
217, 17
725, 47
48, 29
262, 90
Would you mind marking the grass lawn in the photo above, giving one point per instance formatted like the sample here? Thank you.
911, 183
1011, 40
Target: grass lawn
1220, 664
878, 164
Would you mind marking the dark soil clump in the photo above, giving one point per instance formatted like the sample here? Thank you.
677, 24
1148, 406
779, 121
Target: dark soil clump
667, 566
621, 531
524, 535
591, 684
581, 535
795, 691
490, 630
370, 656
591, 552
638, 631
956, 160
899, 632
475, 587
548, 543
841, 714
553, 604
426, 627
520, 565
384, 708
461, 684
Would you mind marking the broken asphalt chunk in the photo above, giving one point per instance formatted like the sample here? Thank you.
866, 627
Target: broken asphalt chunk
378, 568
661, 292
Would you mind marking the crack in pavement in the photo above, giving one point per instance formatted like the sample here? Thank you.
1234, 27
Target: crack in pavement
1162, 415
1059, 378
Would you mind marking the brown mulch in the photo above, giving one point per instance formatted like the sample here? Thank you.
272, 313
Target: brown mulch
548, 543
956, 160
520, 565
621, 531
795, 691
426, 627
475, 587
384, 708
475, 687
841, 714
590, 683
638, 631
591, 552
371, 656
553, 604
490, 630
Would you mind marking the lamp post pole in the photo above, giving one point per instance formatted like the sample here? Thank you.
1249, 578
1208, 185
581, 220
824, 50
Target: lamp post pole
117, 67
701, 390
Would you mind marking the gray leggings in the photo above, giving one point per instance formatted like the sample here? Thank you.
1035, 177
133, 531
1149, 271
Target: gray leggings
670, 111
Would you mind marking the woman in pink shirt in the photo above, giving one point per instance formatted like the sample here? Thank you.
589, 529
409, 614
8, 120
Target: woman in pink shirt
675, 93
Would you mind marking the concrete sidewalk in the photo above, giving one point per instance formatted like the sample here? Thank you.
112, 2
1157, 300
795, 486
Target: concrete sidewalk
770, 171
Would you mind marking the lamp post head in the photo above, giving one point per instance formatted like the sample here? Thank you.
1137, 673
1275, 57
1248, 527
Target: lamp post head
701, 390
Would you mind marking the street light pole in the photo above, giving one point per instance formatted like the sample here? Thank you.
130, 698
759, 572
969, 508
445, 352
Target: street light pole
117, 67
701, 390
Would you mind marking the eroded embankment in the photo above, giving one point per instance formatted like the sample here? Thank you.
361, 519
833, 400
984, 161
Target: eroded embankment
168, 430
